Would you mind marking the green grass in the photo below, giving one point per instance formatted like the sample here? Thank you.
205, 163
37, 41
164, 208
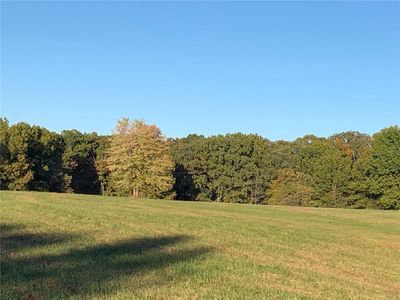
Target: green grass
79, 246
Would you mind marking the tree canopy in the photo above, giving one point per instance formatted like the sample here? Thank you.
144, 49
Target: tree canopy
348, 169
139, 160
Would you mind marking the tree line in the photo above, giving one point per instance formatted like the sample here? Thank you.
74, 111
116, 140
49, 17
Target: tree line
348, 169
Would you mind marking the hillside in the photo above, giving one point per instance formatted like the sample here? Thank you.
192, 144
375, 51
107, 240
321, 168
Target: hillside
80, 246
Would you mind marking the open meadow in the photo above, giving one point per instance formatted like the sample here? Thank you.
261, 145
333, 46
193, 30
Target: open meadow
81, 246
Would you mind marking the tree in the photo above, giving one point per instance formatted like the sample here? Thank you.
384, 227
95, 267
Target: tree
100, 162
18, 171
230, 168
139, 160
351, 143
79, 159
348, 169
329, 168
4, 153
382, 170
47, 161
30, 158
291, 188
188, 166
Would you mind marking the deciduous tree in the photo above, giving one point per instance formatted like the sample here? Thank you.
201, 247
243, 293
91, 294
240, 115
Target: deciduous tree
291, 188
382, 170
139, 160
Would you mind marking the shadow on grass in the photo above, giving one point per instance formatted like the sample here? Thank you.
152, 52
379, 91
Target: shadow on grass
14, 238
91, 271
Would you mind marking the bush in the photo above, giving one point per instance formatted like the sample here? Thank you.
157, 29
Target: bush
390, 200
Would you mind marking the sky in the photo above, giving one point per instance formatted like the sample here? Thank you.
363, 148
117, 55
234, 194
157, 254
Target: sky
278, 69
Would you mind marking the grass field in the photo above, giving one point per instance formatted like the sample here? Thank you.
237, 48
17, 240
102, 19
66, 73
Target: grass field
79, 246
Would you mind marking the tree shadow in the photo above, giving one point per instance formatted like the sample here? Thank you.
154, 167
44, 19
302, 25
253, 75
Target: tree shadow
131, 264
14, 238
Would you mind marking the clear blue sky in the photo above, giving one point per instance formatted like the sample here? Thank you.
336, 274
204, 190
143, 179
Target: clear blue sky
281, 70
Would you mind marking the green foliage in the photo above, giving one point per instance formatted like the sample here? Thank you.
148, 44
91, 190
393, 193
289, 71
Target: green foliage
186, 154
359, 201
382, 170
4, 153
352, 143
329, 168
79, 159
348, 169
390, 200
30, 158
231, 168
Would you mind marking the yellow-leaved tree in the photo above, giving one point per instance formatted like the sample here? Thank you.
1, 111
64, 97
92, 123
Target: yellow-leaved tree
139, 160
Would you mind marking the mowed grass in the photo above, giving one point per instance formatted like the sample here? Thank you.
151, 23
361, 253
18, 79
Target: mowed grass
79, 246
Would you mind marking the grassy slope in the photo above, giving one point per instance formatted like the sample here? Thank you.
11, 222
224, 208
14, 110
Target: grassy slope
62, 245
